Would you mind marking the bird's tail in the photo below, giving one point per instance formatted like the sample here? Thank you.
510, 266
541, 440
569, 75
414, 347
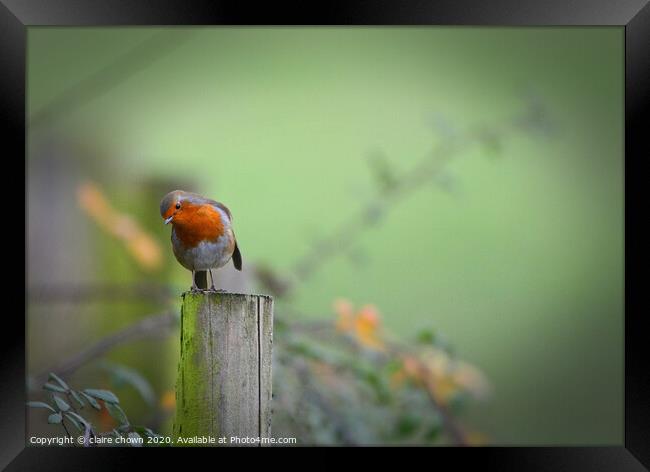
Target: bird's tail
236, 257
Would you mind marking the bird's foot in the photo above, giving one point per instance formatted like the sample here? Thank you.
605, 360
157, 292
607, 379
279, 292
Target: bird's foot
207, 290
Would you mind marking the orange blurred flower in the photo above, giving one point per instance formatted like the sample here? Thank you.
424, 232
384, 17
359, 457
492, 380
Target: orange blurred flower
441, 375
367, 327
168, 400
142, 246
345, 311
363, 325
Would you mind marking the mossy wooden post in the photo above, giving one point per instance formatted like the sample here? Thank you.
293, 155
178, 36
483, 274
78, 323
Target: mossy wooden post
224, 373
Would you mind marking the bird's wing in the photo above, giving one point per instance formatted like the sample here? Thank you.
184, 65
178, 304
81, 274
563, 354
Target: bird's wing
236, 255
221, 206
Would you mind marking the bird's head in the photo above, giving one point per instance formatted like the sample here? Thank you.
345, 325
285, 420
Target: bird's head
171, 206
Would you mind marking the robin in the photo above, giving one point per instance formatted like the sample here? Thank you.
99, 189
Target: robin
202, 234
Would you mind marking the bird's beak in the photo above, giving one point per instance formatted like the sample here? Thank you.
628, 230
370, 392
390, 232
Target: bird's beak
169, 220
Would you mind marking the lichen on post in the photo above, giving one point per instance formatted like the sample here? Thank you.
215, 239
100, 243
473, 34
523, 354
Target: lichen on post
224, 373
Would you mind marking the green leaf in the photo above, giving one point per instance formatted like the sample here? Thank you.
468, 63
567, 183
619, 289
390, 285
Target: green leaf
407, 425
58, 380
124, 375
77, 398
116, 412
144, 431
54, 388
79, 418
124, 428
136, 438
434, 338
92, 401
87, 429
432, 433
426, 336
376, 383
54, 418
393, 366
73, 421
40, 405
61, 403
105, 395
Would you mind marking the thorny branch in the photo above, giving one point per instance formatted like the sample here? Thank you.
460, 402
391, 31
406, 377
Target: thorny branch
395, 188
101, 292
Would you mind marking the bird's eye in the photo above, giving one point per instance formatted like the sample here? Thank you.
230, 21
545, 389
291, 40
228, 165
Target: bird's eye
178, 205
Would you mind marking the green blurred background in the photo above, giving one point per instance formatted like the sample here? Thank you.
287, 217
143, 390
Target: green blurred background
518, 261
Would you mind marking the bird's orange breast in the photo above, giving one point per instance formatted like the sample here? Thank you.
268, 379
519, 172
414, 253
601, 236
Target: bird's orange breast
196, 223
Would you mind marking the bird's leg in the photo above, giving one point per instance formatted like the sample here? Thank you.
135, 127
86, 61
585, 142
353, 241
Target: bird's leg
194, 287
211, 281
213, 288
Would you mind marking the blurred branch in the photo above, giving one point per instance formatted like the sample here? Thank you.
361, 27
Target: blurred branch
150, 326
393, 188
346, 234
100, 292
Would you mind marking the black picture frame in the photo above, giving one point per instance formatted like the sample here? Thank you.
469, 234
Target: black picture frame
632, 15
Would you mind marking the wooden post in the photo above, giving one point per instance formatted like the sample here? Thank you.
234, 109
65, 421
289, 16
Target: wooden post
224, 373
